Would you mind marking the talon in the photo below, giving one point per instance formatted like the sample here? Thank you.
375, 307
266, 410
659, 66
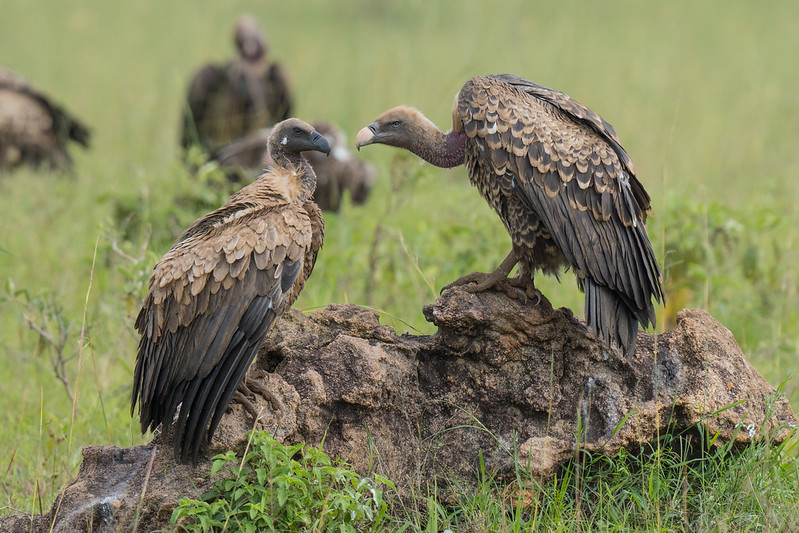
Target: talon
485, 281
537, 296
474, 277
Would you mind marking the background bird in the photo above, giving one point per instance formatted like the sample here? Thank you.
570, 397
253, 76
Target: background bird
340, 174
33, 129
214, 295
556, 174
226, 102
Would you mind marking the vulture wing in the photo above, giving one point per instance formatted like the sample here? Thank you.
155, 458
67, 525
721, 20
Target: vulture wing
204, 89
211, 301
566, 164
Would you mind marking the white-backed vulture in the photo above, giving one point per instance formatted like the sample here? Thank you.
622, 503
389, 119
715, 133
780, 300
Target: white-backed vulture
336, 175
33, 129
228, 101
214, 295
556, 174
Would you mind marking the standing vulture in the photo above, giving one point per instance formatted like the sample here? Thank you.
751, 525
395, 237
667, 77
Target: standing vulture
217, 291
556, 174
34, 130
226, 102
335, 175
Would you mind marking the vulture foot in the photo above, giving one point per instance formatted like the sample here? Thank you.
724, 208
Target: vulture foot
478, 281
484, 281
526, 288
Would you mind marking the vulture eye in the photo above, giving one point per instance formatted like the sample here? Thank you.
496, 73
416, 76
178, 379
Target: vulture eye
297, 131
395, 124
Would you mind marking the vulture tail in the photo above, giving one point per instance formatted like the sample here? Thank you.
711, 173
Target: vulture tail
609, 318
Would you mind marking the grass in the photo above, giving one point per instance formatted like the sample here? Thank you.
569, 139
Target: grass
702, 94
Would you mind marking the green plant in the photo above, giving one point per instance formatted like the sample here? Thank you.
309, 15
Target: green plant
678, 482
270, 490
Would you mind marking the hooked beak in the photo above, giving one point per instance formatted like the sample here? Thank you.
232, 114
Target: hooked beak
366, 135
320, 142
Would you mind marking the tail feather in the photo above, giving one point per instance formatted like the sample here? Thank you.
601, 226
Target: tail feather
609, 317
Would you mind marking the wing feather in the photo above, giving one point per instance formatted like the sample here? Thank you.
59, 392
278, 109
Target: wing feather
194, 353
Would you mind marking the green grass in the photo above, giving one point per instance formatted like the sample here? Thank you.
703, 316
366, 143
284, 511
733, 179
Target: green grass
703, 96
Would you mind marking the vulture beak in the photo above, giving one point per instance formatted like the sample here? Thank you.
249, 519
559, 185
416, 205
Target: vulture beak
366, 135
320, 142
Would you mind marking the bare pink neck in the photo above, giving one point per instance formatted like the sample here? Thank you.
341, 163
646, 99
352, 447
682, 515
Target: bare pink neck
445, 150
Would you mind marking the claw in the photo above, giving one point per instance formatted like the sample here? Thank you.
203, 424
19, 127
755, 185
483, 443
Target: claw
474, 277
528, 289
485, 281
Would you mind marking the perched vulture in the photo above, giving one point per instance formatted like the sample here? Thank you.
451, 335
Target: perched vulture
217, 291
556, 174
334, 175
227, 102
34, 130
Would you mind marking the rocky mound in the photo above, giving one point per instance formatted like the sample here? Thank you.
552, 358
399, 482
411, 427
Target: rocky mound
501, 377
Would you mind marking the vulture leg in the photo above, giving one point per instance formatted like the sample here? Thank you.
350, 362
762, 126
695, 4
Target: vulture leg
484, 281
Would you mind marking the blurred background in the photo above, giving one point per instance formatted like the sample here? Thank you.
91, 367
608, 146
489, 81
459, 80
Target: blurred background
702, 94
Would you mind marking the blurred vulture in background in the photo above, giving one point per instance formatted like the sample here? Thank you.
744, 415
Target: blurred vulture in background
335, 175
214, 295
227, 102
556, 174
33, 129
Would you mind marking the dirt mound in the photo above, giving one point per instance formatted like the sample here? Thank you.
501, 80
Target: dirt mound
500, 377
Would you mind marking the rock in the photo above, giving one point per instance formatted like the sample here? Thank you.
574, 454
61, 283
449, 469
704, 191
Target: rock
501, 377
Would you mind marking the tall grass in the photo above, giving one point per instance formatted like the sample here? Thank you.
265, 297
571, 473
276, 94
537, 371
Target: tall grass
702, 94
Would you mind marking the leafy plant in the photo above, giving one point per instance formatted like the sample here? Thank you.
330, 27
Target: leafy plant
270, 490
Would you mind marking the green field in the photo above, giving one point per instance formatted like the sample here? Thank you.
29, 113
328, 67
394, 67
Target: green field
703, 95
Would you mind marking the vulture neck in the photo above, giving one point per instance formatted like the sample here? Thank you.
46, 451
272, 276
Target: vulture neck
291, 176
445, 150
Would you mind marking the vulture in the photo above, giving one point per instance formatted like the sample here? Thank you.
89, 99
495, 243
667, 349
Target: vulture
214, 295
556, 174
335, 175
33, 129
226, 102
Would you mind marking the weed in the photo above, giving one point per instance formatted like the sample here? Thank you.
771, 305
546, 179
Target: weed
285, 488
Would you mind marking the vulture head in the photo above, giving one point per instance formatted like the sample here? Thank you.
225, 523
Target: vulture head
295, 136
401, 127
250, 41
406, 127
